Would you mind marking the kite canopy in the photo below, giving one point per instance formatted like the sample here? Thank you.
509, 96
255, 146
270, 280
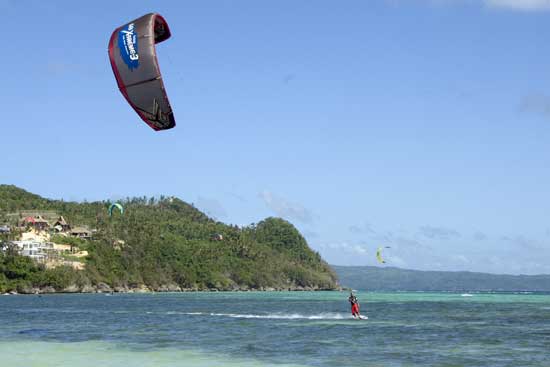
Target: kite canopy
134, 62
118, 206
379, 256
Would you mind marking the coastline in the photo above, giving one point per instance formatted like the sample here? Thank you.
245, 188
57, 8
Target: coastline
170, 288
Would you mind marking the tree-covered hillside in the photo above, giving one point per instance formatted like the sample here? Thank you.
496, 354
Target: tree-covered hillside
166, 244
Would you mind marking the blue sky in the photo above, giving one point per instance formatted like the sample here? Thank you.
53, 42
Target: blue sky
420, 125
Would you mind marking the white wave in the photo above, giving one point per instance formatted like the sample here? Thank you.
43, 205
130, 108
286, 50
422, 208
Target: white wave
294, 316
466, 295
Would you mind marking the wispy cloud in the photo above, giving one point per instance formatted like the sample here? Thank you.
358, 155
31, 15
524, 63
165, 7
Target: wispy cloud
524, 5
365, 228
398, 238
358, 253
239, 197
438, 233
480, 236
409, 243
288, 78
285, 208
523, 265
396, 261
347, 247
517, 5
310, 234
522, 242
536, 103
460, 259
212, 207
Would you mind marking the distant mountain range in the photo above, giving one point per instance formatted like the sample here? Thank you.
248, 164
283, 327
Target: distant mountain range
394, 279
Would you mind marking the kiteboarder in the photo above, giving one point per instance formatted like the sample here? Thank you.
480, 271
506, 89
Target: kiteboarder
354, 305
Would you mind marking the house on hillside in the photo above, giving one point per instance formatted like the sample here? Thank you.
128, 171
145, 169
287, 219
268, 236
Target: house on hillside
61, 225
27, 222
49, 215
81, 232
48, 253
5, 230
41, 224
217, 237
38, 223
37, 251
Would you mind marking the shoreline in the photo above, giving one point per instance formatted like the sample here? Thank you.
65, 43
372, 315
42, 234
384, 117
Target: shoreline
103, 288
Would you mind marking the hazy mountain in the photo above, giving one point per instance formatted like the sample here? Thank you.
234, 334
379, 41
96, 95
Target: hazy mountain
392, 279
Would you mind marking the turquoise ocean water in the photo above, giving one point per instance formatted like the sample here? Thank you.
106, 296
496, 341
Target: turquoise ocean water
274, 329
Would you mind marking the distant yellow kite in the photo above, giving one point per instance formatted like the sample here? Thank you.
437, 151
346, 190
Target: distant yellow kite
379, 255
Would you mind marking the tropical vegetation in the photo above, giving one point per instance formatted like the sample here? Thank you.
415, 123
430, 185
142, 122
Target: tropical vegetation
163, 243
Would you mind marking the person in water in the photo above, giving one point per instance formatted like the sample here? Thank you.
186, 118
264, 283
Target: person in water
354, 305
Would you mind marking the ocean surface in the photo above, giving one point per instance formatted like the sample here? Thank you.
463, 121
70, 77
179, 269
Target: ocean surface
274, 329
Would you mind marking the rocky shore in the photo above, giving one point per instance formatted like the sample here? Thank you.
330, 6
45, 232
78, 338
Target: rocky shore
105, 288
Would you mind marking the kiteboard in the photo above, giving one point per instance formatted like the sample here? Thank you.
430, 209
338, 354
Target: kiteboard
361, 317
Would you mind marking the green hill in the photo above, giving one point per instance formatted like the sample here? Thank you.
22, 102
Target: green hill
164, 244
395, 279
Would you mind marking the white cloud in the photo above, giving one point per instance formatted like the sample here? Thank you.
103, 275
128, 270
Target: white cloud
523, 242
285, 208
212, 207
398, 238
536, 103
460, 259
525, 5
237, 196
519, 5
439, 233
347, 247
309, 234
480, 236
365, 228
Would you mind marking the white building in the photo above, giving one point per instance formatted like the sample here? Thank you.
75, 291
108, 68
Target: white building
35, 250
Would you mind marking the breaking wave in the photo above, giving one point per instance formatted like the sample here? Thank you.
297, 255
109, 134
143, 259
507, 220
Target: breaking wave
294, 316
